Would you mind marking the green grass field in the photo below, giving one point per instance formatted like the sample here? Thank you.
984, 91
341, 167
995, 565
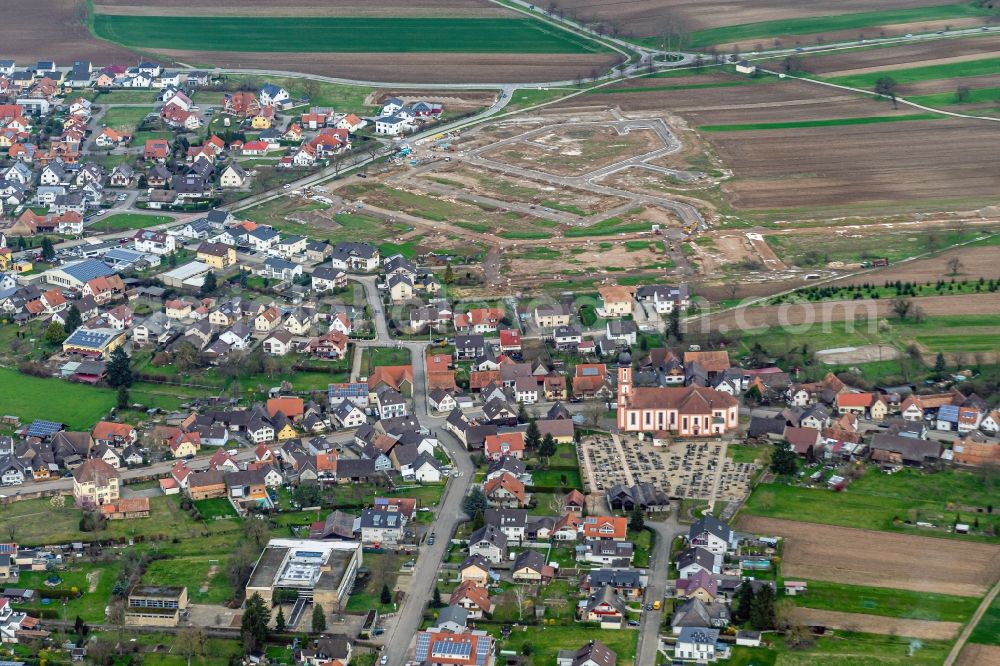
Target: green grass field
877, 500
832, 122
987, 631
125, 118
887, 602
824, 24
377, 356
79, 406
976, 96
122, 221
193, 573
982, 67
341, 34
845, 648
546, 642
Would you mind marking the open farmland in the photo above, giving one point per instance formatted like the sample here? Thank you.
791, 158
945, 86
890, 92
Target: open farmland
892, 626
840, 63
932, 164
976, 655
340, 34
300, 8
727, 20
415, 67
56, 29
879, 559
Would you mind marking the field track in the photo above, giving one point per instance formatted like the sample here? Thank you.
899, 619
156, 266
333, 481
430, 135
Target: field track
881, 559
877, 624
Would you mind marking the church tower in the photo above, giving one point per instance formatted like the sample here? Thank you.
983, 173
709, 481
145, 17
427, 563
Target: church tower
624, 386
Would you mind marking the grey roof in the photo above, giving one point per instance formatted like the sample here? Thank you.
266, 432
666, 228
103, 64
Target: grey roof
623, 578
453, 614
697, 614
699, 556
530, 559
712, 525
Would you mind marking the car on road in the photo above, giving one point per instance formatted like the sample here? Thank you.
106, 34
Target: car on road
362, 175
122, 197
633, 623
100, 212
384, 659
286, 187
649, 607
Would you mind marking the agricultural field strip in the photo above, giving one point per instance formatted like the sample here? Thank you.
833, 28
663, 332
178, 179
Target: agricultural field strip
881, 559
832, 23
686, 212
342, 34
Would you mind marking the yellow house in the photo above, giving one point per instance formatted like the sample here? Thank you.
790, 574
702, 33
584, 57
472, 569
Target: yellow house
93, 342
185, 444
5, 255
617, 301
260, 122
217, 255
22, 266
286, 432
878, 409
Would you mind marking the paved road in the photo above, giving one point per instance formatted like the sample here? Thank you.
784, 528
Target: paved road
659, 568
404, 626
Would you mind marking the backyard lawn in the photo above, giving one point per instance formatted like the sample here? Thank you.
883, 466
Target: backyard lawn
94, 581
546, 642
125, 118
79, 406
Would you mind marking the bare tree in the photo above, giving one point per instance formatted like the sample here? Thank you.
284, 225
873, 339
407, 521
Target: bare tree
192, 642
954, 265
519, 595
901, 307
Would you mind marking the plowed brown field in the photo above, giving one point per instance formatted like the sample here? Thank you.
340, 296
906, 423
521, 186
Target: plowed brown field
55, 30
841, 167
645, 18
912, 55
881, 559
877, 624
415, 67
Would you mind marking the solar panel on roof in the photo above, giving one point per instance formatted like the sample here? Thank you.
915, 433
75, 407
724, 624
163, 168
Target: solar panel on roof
589, 372
423, 645
41, 428
87, 270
